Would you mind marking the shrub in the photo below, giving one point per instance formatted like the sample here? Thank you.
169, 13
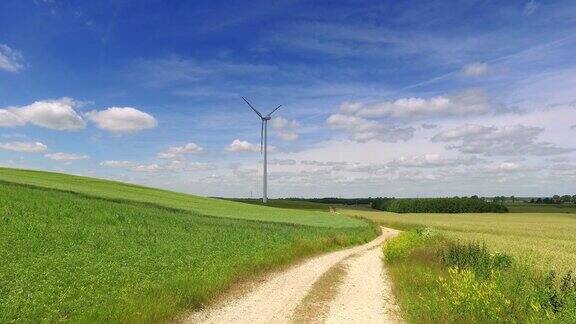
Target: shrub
476, 257
438, 205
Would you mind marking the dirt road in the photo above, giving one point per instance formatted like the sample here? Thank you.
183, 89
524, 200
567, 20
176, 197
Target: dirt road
347, 286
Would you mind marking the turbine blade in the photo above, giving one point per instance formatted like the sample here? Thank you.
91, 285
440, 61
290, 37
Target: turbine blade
256, 111
262, 137
274, 110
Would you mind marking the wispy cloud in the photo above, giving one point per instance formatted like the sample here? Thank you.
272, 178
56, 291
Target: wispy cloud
11, 60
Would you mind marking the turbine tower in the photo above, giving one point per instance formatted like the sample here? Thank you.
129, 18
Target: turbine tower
263, 146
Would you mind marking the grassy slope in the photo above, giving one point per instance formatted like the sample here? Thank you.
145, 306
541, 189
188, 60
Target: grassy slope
202, 205
288, 204
71, 257
547, 239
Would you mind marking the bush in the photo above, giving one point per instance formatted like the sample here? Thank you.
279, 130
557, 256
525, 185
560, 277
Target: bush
476, 257
437, 205
398, 248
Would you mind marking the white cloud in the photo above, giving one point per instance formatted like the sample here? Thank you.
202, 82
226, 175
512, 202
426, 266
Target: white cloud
116, 164
10, 59
573, 126
433, 160
285, 129
25, 147
9, 118
475, 69
56, 114
242, 146
171, 166
66, 156
174, 152
282, 162
364, 130
469, 102
122, 120
498, 140
147, 168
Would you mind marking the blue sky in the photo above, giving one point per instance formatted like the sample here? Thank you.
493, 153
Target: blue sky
381, 98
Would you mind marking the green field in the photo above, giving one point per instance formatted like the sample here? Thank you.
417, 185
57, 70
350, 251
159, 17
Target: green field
522, 207
545, 239
288, 204
206, 206
110, 252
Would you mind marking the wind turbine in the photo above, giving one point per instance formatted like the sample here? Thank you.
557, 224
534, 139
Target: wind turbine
263, 146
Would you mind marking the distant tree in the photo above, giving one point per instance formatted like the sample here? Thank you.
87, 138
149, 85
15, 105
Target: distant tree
566, 198
574, 199
556, 199
513, 198
539, 201
474, 197
532, 200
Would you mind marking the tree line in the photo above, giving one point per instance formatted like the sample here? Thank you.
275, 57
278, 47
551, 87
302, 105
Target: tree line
556, 199
438, 205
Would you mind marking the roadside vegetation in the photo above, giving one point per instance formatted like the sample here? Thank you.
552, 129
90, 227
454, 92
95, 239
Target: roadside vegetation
438, 205
438, 280
545, 240
88, 256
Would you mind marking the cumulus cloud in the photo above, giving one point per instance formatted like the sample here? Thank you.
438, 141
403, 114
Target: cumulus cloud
25, 147
10, 59
242, 146
364, 130
56, 114
498, 141
175, 152
285, 129
9, 118
475, 69
122, 119
469, 102
66, 157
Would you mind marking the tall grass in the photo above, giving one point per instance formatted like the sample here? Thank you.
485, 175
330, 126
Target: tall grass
70, 257
462, 282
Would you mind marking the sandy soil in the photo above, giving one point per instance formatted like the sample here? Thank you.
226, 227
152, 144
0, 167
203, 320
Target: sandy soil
363, 294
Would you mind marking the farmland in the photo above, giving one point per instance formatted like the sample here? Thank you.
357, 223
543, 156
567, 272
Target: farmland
87, 250
482, 267
118, 191
544, 239
288, 204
